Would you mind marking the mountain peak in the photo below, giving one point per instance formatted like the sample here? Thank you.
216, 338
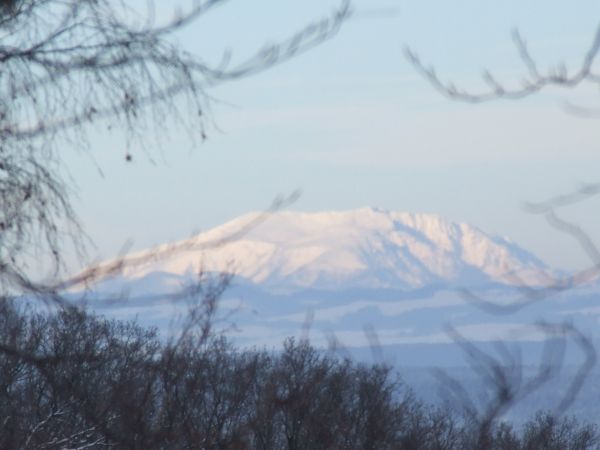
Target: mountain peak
362, 248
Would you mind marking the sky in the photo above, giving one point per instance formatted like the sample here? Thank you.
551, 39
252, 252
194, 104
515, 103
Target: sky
352, 124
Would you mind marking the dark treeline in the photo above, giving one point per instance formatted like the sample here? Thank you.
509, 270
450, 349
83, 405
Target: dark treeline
72, 380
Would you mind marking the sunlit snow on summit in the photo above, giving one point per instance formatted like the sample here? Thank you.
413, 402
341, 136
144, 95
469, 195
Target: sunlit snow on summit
364, 248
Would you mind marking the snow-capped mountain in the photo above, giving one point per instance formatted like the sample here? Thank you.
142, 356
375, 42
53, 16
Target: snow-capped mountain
366, 248
340, 272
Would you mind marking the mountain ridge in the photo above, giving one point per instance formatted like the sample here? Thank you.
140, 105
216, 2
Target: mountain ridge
362, 248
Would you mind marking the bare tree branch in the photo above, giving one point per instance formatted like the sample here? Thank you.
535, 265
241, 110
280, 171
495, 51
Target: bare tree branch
68, 65
534, 82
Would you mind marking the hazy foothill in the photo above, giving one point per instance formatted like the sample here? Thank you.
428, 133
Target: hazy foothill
318, 322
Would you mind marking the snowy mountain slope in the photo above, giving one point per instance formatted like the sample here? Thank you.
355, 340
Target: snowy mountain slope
365, 248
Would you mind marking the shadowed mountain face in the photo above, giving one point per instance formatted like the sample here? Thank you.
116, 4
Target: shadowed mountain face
361, 249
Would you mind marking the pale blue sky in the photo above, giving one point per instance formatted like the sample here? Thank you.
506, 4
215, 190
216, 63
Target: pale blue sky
351, 124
